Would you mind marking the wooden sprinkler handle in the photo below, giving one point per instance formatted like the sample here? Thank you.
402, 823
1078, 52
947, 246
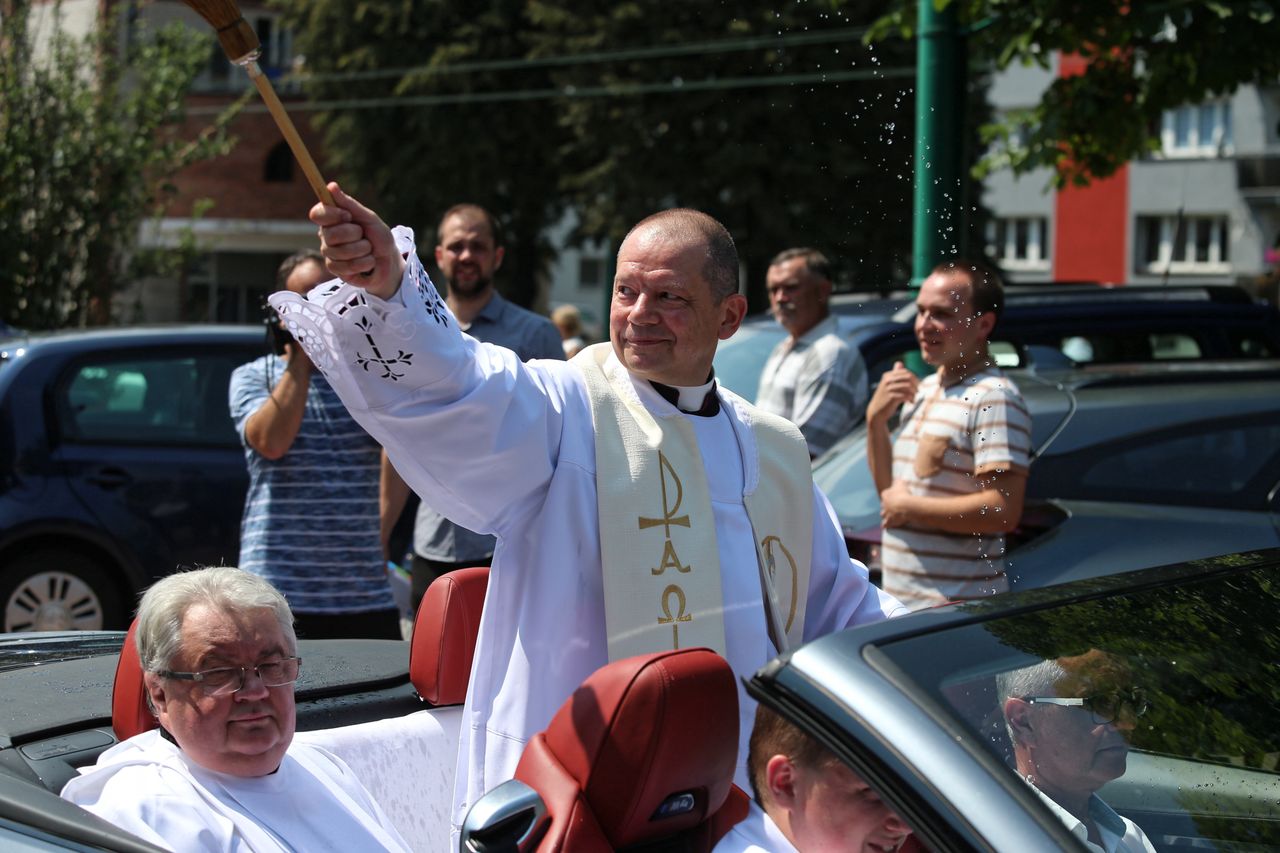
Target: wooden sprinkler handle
290, 133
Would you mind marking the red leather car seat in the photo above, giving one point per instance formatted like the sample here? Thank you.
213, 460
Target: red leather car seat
130, 714
444, 635
643, 753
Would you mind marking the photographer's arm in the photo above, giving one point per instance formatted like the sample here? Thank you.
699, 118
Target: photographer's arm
272, 428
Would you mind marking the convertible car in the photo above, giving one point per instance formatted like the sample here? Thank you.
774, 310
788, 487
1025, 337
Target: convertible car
641, 756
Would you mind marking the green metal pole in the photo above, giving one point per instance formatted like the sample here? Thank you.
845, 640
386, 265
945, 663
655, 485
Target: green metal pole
937, 214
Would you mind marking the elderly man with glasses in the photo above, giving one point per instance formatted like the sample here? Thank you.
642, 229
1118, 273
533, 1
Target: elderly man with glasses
1069, 720
219, 657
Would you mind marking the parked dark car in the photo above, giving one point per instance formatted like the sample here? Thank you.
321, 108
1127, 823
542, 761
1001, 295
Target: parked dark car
1048, 325
1133, 466
118, 464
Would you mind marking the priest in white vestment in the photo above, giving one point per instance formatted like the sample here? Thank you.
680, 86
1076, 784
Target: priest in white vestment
630, 458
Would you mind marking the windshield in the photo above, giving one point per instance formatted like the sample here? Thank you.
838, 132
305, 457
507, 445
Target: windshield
1161, 703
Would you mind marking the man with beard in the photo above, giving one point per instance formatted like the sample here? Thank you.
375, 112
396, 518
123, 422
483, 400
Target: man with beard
468, 254
1069, 720
952, 481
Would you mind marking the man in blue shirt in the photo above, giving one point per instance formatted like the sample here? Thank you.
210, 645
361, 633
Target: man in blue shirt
468, 253
311, 525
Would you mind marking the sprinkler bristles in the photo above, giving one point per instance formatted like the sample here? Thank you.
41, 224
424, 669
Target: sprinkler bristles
237, 38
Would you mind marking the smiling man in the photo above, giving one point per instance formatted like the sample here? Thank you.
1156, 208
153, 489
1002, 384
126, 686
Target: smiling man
219, 658
637, 505
1069, 720
952, 482
807, 800
813, 377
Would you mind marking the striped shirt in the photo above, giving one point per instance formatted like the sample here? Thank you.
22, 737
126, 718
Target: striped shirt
818, 382
311, 524
977, 426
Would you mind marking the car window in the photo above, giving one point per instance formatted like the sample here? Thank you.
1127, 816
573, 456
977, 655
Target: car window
1162, 702
177, 399
1113, 347
740, 360
1211, 463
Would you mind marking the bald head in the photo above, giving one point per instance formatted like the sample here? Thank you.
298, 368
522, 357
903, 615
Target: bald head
685, 225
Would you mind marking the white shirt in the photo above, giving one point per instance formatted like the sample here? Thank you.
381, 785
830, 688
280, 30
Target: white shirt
313, 802
756, 833
1119, 834
439, 401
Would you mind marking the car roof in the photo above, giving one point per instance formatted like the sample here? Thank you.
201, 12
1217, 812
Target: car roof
130, 336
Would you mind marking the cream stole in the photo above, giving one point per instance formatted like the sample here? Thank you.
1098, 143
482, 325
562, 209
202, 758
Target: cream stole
657, 532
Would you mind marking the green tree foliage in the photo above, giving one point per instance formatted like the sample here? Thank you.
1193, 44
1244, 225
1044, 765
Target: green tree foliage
777, 120
90, 133
1140, 59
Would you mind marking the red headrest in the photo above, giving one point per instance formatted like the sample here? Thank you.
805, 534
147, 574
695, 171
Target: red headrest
129, 712
444, 635
644, 749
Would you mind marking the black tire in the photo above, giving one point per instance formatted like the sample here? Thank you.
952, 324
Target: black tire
53, 589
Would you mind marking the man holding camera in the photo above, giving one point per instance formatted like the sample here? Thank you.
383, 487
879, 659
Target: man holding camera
311, 524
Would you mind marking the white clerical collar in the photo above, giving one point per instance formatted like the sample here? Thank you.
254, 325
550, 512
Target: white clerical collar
693, 400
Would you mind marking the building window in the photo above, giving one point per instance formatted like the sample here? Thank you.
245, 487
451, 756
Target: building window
1019, 242
591, 272
1197, 130
278, 168
275, 60
1182, 244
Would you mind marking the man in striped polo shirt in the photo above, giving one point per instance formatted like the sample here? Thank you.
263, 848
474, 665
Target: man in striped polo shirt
311, 522
952, 482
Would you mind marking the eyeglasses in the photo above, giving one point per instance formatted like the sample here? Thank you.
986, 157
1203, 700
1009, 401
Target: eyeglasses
230, 679
1105, 707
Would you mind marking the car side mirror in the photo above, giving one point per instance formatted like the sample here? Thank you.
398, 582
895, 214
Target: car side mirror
511, 817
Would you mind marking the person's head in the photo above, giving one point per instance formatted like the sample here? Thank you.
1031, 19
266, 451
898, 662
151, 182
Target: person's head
469, 250
301, 271
568, 320
675, 297
208, 619
817, 802
1067, 748
956, 311
799, 284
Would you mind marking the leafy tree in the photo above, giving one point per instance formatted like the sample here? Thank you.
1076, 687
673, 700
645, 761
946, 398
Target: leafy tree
1140, 59
778, 121
90, 133
450, 120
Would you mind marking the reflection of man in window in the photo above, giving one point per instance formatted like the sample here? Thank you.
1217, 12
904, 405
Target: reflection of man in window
1069, 720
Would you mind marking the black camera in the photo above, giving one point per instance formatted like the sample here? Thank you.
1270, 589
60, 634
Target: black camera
277, 334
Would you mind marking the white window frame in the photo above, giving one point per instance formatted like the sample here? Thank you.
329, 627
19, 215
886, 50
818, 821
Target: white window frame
1219, 255
1220, 141
1037, 257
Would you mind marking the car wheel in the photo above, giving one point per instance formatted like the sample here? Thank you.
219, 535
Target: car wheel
58, 590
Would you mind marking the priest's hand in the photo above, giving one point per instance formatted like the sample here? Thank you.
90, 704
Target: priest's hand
357, 245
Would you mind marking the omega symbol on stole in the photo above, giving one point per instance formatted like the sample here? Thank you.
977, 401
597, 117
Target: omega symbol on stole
771, 546
673, 595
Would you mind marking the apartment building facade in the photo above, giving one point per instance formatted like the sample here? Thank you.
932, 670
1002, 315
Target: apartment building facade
1204, 208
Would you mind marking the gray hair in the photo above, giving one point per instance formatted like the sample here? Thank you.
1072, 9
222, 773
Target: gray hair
165, 605
1038, 679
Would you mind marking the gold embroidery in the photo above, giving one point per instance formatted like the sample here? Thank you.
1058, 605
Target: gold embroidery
670, 560
681, 616
766, 545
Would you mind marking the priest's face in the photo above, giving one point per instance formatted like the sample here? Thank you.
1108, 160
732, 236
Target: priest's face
664, 319
241, 733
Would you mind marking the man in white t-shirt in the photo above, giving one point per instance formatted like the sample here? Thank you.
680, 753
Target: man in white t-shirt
219, 658
807, 800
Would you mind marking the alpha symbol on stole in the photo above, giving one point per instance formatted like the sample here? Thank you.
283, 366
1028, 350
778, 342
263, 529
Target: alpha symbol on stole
671, 486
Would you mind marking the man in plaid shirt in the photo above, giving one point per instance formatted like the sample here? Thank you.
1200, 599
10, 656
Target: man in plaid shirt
814, 378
